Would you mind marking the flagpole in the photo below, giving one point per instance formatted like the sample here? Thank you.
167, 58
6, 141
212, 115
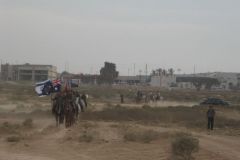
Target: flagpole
51, 101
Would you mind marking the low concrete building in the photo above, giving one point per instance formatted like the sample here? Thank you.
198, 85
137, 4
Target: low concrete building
28, 72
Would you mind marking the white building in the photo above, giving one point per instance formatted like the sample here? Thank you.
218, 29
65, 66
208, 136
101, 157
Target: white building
162, 81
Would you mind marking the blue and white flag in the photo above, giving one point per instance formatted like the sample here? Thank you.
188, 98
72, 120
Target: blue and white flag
44, 88
56, 85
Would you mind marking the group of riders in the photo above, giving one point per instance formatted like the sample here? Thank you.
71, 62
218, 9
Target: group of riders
148, 97
67, 105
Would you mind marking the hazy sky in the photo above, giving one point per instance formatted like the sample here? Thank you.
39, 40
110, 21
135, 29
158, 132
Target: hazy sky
82, 34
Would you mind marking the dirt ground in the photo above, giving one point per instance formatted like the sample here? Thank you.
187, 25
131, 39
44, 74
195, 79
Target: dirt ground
44, 141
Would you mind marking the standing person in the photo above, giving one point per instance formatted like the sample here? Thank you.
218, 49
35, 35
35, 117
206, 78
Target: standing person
210, 116
122, 98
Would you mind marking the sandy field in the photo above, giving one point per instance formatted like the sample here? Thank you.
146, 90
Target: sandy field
104, 138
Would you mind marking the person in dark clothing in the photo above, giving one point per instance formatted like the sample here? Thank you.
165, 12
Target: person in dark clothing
122, 98
210, 116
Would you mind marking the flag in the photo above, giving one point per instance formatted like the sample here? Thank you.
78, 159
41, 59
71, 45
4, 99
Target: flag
56, 85
68, 86
44, 88
56, 82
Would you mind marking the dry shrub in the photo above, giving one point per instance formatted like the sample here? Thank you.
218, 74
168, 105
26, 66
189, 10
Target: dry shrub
89, 125
86, 137
20, 107
14, 139
8, 128
145, 106
221, 122
192, 117
109, 104
37, 105
118, 106
148, 114
183, 146
28, 123
50, 129
114, 125
143, 136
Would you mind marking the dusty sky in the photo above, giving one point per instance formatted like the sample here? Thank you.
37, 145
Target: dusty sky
82, 34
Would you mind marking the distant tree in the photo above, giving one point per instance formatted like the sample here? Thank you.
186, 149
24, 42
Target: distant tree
108, 73
199, 82
231, 86
153, 73
160, 71
209, 83
164, 72
65, 73
171, 71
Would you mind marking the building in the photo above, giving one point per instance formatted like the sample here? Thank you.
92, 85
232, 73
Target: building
213, 80
28, 72
228, 80
87, 79
163, 81
132, 80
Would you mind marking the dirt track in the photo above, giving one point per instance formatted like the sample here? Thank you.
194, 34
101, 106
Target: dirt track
225, 147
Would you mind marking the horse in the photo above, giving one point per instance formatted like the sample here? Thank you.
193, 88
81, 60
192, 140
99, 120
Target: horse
58, 111
69, 114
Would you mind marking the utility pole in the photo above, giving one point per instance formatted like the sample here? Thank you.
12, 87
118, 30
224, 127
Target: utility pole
68, 66
65, 66
1, 70
194, 70
128, 73
134, 69
146, 72
140, 74
91, 70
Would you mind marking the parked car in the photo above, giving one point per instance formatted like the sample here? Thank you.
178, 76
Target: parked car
214, 101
